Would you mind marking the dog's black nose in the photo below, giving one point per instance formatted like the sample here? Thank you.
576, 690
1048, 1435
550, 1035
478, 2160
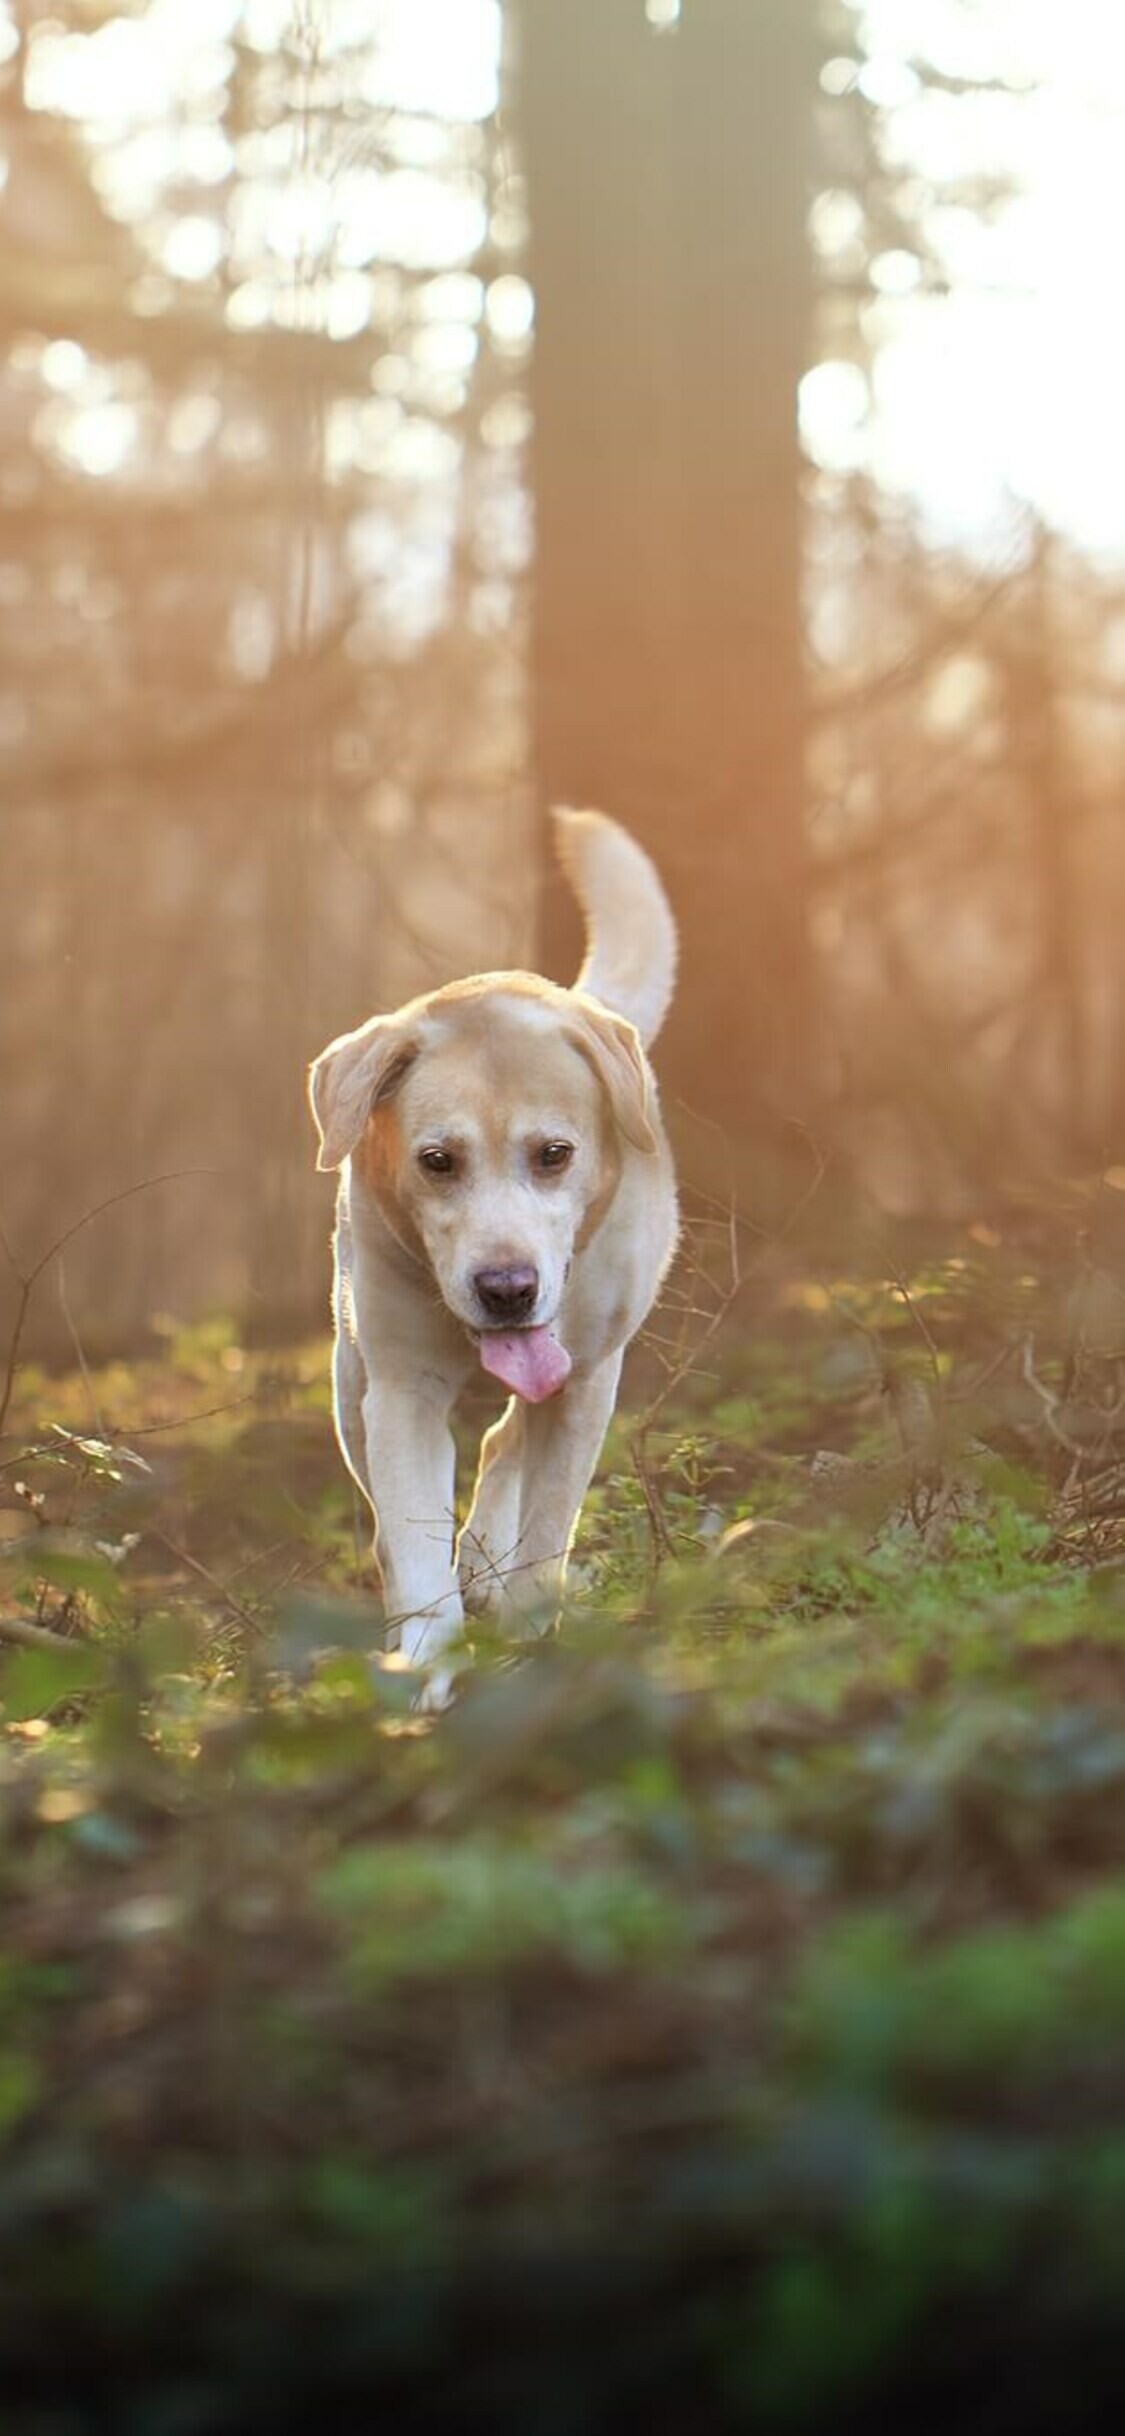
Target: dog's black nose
507, 1296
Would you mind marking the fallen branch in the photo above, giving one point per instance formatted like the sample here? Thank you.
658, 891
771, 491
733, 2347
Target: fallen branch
32, 1636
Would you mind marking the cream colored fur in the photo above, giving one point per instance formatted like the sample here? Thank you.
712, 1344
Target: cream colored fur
496, 1074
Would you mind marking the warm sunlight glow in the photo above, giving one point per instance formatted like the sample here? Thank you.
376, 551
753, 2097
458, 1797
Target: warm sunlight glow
1007, 387
95, 439
1011, 386
833, 402
307, 237
193, 247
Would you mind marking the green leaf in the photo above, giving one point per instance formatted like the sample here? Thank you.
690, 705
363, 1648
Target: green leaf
104, 1837
97, 1455
314, 1621
478, 1906
167, 1644
19, 2089
348, 1676
37, 1680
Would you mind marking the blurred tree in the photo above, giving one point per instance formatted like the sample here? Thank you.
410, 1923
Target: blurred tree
668, 163
966, 724
258, 695
264, 346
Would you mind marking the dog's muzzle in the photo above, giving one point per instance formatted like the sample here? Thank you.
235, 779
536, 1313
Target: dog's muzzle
507, 1297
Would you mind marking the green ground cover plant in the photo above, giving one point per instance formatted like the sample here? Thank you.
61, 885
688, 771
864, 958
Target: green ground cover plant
717, 2013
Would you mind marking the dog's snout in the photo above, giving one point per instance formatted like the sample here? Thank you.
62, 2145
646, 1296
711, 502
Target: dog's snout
507, 1296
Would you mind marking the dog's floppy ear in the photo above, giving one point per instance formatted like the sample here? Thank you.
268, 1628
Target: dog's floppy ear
350, 1077
612, 1046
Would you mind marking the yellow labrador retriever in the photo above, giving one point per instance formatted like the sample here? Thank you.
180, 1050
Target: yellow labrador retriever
506, 1197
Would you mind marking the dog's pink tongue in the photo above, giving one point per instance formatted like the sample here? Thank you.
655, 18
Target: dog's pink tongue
530, 1361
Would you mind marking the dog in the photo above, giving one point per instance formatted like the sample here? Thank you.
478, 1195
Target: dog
507, 1199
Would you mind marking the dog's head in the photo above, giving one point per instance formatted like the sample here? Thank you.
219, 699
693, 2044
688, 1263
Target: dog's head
490, 1122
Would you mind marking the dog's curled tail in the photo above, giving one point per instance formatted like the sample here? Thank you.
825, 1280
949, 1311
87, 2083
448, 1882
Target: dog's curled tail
630, 961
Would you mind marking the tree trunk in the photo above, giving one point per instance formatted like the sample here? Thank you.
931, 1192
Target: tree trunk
668, 195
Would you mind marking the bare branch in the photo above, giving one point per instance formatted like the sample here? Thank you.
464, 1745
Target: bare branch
29, 1281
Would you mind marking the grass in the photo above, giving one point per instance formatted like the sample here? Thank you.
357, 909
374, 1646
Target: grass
718, 2014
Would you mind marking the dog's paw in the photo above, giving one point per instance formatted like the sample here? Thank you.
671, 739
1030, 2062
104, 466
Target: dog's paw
437, 1693
432, 1648
424, 1639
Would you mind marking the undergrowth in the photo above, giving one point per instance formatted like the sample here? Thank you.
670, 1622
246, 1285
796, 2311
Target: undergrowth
718, 2012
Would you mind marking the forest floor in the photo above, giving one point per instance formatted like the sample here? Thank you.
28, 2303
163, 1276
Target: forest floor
718, 2013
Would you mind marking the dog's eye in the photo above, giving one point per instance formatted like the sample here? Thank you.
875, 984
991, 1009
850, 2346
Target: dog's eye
437, 1162
554, 1155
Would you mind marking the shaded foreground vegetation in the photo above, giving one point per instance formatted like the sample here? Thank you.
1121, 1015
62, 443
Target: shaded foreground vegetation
718, 2013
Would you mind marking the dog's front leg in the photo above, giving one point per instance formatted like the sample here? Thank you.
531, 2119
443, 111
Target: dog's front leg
489, 1541
410, 1457
561, 1442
